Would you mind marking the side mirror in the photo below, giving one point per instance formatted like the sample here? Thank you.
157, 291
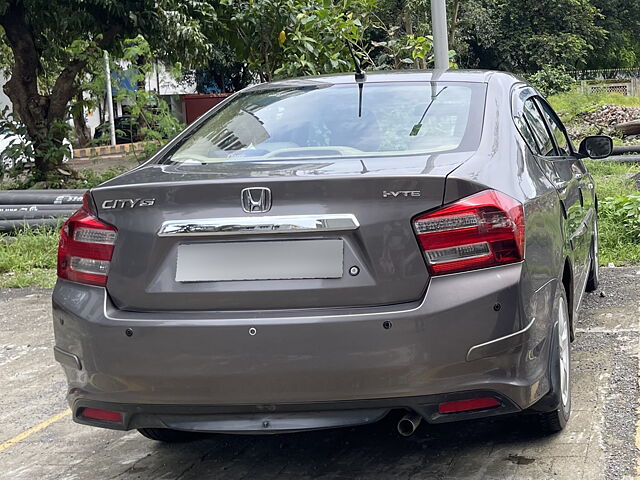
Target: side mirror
596, 146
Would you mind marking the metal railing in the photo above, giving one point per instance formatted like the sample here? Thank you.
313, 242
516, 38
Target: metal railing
606, 74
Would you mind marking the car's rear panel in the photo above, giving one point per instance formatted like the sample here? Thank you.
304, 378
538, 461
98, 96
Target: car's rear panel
233, 359
368, 255
164, 337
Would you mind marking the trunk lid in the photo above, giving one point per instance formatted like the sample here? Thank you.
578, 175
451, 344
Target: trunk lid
364, 209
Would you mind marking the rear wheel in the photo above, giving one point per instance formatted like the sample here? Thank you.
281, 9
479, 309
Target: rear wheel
169, 436
559, 397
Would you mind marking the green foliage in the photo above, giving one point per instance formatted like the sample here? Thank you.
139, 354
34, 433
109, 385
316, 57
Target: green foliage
315, 39
90, 178
223, 71
551, 80
614, 187
621, 48
624, 210
296, 37
525, 35
28, 258
6, 55
16, 162
403, 51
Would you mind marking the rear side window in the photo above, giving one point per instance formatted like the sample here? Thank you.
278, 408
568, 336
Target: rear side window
315, 120
539, 129
526, 133
556, 129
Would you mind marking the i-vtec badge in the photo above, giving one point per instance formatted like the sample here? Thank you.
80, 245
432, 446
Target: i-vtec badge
127, 203
400, 193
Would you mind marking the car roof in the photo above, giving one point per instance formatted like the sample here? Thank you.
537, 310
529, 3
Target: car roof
473, 76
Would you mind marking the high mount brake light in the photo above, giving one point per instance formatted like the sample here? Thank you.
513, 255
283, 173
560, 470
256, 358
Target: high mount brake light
86, 246
483, 230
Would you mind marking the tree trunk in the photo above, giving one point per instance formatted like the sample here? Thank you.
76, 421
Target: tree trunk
22, 88
83, 133
407, 22
454, 23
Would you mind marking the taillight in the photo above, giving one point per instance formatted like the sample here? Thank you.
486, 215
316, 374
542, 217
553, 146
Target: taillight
483, 230
86, 246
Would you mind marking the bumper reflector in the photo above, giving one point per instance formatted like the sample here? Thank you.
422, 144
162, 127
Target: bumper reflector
466, 405
104, 415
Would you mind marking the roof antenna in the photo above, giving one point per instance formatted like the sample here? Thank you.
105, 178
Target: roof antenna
361, 76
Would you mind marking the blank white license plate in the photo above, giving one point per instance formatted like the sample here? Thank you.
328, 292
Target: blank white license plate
277, 260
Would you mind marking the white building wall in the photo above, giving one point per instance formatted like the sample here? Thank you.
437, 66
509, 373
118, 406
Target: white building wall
165, 83
4, 100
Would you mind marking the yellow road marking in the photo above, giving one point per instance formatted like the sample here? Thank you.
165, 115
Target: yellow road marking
638, 444
638, 432
41, 426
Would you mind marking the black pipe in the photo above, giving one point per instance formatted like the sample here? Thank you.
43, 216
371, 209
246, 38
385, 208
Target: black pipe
41, 197
620, 149
32, 207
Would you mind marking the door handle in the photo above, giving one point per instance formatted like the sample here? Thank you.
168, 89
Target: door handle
579, 175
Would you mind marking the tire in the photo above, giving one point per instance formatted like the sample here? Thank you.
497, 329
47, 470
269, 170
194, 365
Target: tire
593, 280
167, 435
558, 400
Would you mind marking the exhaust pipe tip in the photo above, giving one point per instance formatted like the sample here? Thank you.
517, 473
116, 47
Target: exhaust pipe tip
408, 424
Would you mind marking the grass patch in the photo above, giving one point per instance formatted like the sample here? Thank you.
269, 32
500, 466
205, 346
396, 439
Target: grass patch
571, 104
612, 178
619, 244
28, 258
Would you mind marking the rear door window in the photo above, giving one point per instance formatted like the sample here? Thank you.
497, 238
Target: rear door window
556, 128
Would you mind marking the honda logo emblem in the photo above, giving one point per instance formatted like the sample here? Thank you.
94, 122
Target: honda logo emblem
256, 199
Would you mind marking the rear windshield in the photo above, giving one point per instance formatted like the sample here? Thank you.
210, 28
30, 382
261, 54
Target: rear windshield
338, 121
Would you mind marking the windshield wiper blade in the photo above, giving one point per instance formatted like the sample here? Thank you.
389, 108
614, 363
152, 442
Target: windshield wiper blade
416, 128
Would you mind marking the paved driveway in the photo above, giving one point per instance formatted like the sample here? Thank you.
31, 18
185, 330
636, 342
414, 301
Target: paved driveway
41, 442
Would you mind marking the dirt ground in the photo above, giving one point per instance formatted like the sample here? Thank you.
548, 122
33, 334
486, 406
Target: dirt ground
41, 441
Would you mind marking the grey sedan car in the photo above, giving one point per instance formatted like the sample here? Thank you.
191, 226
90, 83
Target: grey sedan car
319, 252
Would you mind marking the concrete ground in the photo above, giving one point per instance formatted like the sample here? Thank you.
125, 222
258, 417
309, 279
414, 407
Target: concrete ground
41, 442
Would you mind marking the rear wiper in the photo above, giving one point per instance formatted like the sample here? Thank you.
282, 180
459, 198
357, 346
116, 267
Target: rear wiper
416, 128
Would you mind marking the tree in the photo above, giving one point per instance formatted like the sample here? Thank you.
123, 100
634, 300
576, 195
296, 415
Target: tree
525, 35
52, 43
621, 47
224, 72
296, 37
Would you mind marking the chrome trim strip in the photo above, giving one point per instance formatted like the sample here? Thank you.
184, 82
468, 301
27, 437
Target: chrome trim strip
476, 352
66, 358
256, 225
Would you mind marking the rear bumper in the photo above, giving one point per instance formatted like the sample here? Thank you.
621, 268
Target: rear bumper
218, 363
263, 419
